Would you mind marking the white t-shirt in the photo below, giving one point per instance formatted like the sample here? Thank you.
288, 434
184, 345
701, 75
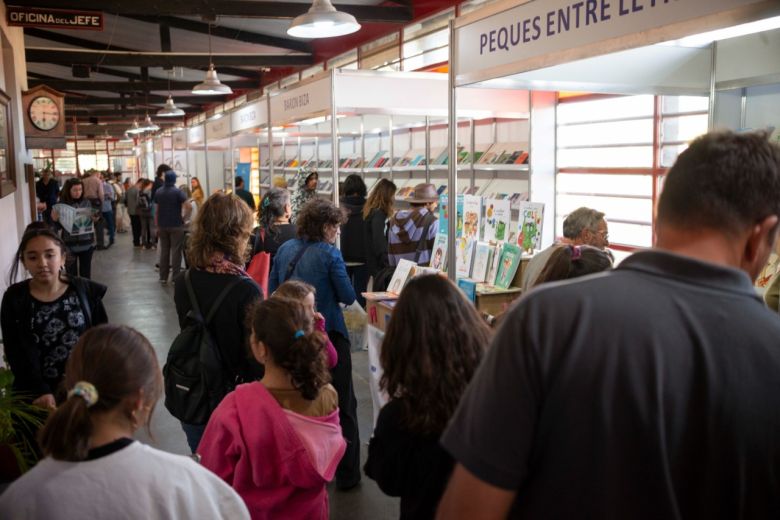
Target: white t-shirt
135, 482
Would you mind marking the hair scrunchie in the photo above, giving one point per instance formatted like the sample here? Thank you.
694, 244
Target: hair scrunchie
299, 334
86, 391
576, 253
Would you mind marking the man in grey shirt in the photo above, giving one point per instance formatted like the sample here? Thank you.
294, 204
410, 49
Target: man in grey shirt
651, 391
582, 227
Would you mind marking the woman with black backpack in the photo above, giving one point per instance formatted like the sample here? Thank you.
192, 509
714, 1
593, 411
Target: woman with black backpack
217, 254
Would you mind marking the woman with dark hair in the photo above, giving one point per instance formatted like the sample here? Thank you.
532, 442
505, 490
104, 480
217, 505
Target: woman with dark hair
217, 253
82, 245
305, 189
376, 212
92, 464
43, 317
353, 238
145, 214
568, 261
277, 441
275, 228
432, 347
313, 259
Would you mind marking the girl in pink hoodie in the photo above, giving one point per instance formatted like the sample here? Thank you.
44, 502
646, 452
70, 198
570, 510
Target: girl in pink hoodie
278, 441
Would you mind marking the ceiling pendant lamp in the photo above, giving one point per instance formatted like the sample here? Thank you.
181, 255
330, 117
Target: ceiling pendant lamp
170, 109
148, 125
134, 128
211, 86
323, 21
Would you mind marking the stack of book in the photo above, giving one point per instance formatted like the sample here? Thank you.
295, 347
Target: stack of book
504, 153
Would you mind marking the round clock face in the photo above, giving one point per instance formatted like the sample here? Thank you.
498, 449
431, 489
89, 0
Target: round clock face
44, 113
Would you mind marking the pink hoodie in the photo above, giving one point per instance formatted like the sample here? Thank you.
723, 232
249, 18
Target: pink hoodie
277, 460
330, 350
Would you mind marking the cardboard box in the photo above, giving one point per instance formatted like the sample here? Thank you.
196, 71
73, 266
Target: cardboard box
496, 301
379, 313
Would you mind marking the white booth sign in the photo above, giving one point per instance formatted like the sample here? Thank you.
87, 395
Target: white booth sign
250, 116
196, 135
298, 102
539, 28
218, 129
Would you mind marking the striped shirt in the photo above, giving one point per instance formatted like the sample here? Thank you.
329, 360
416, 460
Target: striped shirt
404, 235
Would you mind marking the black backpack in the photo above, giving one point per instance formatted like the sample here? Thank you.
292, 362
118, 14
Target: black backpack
195, 376
143, 201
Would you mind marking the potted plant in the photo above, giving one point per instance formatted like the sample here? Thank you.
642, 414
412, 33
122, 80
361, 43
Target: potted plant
19, 423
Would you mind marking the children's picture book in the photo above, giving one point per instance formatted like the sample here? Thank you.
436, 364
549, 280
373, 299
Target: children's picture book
510, 259
403, 273
439, 253
529, 226
379, 296
444, 213
495, 261
472, 216
422, 271
498, 218
464, 256
469, 288
482, 255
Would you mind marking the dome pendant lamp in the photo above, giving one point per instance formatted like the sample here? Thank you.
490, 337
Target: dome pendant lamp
211, 86
323, 21
170, 109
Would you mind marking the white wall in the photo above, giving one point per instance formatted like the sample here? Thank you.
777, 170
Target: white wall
14, 208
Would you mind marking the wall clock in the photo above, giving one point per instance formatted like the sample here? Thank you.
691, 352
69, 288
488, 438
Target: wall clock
44, 113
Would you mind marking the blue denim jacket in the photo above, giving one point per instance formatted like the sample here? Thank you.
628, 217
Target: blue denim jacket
323, 267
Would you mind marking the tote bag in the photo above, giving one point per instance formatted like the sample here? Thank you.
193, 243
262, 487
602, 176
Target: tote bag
260, 267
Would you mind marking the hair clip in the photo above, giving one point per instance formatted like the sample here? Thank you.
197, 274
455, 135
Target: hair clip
86, 391
266, 202
576, 252
299, 334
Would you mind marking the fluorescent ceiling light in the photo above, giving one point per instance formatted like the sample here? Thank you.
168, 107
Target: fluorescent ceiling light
323, 21
170, 109
700, 40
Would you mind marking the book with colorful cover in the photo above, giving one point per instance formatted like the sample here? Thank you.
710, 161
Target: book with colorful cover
529, 226
439, 253
482, 253
464, 256
403, 273
498, 219
495, 261
472, 216
469, 288
507, 268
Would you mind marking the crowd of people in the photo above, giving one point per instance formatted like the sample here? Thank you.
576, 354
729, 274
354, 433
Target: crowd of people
641, 391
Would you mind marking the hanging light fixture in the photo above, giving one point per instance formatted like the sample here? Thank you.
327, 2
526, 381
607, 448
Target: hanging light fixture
135, 128
170, 109
148, 125
323, 21
211, 86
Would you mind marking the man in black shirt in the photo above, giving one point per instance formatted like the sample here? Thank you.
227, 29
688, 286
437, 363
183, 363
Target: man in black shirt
243, 194
652, 391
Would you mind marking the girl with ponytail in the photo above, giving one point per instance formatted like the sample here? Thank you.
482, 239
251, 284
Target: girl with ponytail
278, 441
93, 468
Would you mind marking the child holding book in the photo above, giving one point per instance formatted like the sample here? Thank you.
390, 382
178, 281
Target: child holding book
306, 293
278, 441
431, 349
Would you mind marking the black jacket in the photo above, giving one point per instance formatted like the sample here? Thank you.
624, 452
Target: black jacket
375, 229
15, 319
353, 245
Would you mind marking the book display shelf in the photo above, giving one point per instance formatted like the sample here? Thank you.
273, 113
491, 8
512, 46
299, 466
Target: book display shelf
614, 159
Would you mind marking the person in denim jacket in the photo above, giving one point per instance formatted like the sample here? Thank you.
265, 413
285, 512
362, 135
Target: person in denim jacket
316, 261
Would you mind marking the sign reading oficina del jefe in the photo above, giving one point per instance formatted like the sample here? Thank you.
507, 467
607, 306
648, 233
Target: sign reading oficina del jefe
54, 18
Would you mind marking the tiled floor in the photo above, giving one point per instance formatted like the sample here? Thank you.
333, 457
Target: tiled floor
136, 298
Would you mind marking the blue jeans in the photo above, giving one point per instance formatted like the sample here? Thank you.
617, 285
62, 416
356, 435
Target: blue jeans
110, 225
194, 432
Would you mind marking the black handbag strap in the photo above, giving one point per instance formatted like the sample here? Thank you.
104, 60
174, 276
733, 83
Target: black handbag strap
422, 245
217, 301
291, 265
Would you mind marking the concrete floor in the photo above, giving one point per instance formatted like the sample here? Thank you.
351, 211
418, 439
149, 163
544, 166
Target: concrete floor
136, 298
